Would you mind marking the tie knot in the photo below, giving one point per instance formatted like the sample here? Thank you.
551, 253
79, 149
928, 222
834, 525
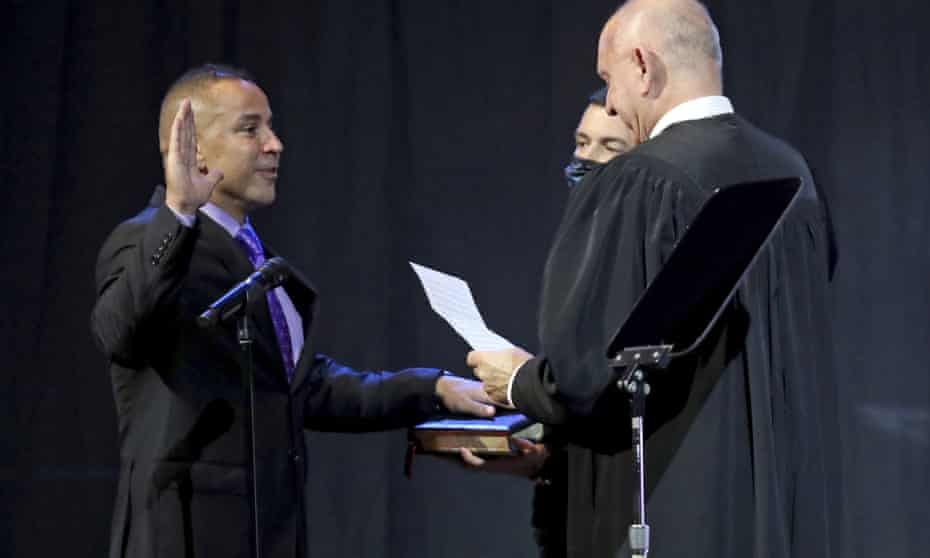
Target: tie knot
253, 246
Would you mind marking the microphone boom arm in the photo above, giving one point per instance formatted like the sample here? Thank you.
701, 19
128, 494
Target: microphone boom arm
269, 275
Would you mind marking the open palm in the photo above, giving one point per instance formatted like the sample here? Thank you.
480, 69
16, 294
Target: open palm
187, 187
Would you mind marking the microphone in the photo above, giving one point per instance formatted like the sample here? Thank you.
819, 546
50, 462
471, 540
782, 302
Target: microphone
268, 276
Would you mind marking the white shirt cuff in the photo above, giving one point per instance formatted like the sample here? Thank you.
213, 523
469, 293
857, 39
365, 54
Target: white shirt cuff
186, 220
513, 377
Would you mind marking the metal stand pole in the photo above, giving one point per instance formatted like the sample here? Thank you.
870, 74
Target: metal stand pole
636, 387
635, 363
248, 426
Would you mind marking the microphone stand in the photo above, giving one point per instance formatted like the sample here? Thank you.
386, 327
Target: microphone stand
244, 334
237, 302
637, 362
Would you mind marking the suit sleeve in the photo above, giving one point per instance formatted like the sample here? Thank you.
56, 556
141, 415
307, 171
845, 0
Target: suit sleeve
139, 269
347, 400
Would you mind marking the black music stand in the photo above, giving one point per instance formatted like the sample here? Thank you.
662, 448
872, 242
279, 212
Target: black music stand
685, 299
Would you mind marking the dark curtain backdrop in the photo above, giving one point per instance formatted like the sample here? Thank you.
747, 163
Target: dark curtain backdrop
434, 132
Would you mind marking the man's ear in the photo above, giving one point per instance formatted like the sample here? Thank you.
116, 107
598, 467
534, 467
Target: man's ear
653, 74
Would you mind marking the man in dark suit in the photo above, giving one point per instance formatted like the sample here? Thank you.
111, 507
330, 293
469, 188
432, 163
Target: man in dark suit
736, 464
178, 387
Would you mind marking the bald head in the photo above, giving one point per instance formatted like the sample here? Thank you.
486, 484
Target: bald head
681, 32
196, 84
656, 54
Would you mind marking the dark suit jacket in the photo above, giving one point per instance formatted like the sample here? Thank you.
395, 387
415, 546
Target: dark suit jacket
179, 395
736, 449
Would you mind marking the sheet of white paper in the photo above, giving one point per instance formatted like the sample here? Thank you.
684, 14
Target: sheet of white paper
451, 298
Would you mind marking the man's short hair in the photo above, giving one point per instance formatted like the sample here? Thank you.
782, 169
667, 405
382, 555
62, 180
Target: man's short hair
192, 83
209, 73
598, 98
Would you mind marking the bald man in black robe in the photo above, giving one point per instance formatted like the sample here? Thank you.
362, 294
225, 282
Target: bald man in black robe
739, 434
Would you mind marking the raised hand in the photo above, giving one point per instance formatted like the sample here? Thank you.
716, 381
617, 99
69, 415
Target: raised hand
188, 187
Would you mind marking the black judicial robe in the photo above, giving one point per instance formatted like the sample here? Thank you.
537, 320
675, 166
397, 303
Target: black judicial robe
739, 434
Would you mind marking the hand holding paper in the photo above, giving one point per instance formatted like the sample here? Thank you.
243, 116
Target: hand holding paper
495, 370
494, 358
494, 361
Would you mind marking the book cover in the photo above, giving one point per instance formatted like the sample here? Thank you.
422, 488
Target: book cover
482, 436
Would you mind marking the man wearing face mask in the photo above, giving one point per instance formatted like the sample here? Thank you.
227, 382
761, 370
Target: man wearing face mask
598, 139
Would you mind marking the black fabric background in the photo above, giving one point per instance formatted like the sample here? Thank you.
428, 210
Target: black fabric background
433, 132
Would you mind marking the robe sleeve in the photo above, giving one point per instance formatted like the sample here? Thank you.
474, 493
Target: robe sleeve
621, 224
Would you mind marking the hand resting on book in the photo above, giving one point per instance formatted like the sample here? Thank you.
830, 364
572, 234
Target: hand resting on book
463, 396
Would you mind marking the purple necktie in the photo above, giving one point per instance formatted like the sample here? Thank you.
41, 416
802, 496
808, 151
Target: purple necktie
249, 240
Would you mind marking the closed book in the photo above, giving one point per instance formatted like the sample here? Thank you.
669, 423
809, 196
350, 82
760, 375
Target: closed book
482, 436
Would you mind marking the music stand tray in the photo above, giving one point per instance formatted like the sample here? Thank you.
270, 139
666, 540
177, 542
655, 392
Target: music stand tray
683, 302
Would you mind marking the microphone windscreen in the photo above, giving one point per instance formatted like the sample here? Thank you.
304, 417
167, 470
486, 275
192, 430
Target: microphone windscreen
274, 272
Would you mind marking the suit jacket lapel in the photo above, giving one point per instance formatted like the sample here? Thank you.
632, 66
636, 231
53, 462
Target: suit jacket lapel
234, 258
303, 294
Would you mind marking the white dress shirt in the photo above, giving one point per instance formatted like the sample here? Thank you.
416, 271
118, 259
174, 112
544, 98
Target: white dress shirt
695, 109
